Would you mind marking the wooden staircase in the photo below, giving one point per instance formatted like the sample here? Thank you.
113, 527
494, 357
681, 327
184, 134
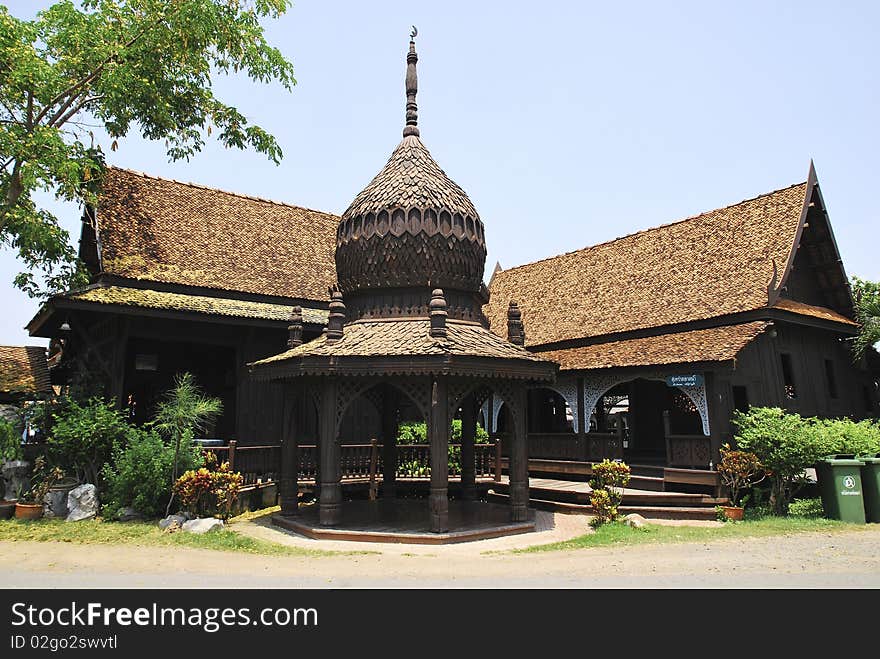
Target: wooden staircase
573, 497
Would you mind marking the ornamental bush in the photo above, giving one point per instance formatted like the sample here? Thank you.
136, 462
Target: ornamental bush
138, 474
83, 436
209, 491
739, 470
610, 477
10, 441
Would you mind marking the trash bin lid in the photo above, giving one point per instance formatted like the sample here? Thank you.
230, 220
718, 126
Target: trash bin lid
843, 460
870, 459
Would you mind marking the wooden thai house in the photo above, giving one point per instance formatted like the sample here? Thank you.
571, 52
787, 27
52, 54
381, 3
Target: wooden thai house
187, 278
662, 334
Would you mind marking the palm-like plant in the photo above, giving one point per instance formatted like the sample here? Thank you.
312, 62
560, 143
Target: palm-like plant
184, 411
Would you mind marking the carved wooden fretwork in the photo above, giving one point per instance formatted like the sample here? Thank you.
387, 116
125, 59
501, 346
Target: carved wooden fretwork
568, 389
597, 385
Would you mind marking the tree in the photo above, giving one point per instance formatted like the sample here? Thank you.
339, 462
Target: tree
115, 64
184, 411
867, 299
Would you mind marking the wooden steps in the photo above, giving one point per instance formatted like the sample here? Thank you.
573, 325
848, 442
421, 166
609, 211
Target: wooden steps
648, 512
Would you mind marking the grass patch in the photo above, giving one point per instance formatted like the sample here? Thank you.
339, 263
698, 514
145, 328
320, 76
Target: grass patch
621, 535
97, 531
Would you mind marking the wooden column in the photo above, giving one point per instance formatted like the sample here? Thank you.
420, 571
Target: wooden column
519, 456
288, 487
330, 502
389, 442
438, 437
468, 433
583, 420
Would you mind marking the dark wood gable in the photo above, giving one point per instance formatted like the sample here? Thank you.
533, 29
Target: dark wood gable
815, 274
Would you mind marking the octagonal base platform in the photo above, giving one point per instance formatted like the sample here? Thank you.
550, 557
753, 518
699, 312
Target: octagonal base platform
406, 521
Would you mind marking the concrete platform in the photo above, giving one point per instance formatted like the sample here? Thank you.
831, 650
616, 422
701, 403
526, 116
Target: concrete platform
406, 521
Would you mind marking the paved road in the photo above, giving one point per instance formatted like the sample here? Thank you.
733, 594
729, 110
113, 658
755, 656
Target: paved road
809, 560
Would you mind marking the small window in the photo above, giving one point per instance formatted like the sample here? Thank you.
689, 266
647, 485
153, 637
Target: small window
830, 379
788, 377
741, 398
146, 362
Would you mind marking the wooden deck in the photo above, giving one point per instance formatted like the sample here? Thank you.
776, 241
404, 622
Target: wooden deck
406, 521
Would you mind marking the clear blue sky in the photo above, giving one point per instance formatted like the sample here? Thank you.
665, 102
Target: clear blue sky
568, 123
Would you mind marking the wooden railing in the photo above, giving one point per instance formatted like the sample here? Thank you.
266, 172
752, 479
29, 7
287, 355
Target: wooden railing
595, 446
357, 461
693, 451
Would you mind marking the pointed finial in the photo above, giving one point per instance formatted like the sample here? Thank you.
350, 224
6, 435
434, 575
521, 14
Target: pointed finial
295, 329
516, 333
336, 321
412, 87
437, 307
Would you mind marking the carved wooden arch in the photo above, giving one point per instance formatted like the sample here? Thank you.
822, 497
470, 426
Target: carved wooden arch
596, 386
503, 393
345, 398
569, 392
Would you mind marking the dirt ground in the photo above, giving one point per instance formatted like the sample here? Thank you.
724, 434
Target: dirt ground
805, 560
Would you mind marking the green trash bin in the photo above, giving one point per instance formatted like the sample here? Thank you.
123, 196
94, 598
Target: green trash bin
871, 486
840, 484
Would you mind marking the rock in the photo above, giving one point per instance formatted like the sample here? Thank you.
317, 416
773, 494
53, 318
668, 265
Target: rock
129, 515
82, 503
635, 520
178, 519
203, 525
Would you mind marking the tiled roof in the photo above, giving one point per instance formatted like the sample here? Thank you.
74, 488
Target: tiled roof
714, 264
149, 299
716, 344
810, 310
411, 179
24, 370
162, 230
409, 338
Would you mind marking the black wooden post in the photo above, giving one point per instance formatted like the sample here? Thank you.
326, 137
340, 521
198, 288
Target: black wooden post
519, 456
230, 455
389, 442
330, 502
288, 487
583, 420
438, 430
468, 464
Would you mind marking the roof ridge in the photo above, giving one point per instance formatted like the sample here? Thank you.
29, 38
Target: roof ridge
227, 192
654, 228
28, 346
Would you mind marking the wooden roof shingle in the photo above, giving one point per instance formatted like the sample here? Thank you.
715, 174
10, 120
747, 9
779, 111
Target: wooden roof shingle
710, 265
24, 370
162, 230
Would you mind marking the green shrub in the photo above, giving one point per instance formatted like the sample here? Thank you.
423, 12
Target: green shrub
416, 432
10, 441
739, 470
847, 436
210, 490
786, 445
806, 508
83, 436
609, 479
139, 472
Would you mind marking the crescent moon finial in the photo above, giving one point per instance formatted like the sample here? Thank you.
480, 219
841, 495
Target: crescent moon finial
414, 33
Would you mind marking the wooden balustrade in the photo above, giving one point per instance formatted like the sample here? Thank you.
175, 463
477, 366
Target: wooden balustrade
357, 461
594, 447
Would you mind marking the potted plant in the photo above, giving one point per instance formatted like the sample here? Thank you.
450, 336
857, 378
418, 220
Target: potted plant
738, 470
30, 503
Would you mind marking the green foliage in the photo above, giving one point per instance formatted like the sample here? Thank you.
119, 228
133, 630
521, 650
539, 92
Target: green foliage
184, 411
117, 64
83, 435
610, 477
10, 441
811, 508
739, 470
787, 444
139, 472
416, 432
210, 490
867, 299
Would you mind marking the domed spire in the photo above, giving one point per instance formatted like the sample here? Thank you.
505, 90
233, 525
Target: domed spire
412, 87
410, 231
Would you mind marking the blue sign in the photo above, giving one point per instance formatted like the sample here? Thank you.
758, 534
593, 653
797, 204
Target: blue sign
694, 380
